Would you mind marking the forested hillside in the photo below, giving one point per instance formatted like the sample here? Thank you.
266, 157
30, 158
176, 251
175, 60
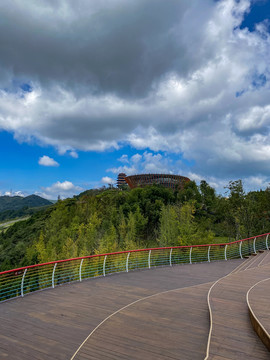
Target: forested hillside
18, 202
99, 221
17, 206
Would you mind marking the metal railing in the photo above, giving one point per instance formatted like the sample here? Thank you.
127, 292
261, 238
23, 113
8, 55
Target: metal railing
19, 282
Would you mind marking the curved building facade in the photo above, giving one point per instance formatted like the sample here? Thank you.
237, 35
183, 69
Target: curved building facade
166, 180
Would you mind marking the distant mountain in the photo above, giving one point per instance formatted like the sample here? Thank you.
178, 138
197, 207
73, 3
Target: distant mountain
19, 202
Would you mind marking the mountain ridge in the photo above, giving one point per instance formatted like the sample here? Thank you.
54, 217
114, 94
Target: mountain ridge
19, 202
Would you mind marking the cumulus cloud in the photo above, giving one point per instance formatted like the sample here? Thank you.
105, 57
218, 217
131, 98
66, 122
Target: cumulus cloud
64, 189
74, 154
123, 159
107, 180
15, 193
47, 161
184, 78
148, 162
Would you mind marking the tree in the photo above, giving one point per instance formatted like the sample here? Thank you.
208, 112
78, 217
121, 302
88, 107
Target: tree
190, 192
108, 242
42, 255
236, 205
208, 196
169, 226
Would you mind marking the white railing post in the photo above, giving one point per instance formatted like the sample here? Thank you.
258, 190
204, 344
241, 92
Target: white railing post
190, 251
104, 264
209, 247
171, 257
225, 252
53, 275
240, 250
80, 272
24, 273
254, 245
149, 260
127, 261
266, 242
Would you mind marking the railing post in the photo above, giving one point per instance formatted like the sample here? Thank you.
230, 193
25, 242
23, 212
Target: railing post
127, 261
104, 264
24, 273
254, 245
225, 252
149, 260
240, 250
53, 275
266, 242
171, 257
190, 251
209, 247
80, 273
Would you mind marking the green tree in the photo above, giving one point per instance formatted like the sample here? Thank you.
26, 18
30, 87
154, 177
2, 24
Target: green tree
108, 242
69, 249
169, 226
42, 254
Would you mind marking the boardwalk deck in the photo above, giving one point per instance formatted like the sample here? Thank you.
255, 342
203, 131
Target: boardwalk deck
166, 326
258, 300
233, 336
53, 323
156, 314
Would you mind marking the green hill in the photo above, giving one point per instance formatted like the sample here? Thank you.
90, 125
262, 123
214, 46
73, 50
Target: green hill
18, 202
108, 220
16, 206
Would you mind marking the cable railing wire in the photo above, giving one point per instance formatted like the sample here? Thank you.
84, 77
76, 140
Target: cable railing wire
19, 282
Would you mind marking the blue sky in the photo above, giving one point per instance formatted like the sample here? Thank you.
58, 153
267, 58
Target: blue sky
160, 96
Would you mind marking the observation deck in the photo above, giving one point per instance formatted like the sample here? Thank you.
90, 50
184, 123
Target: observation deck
167, 180
197, 310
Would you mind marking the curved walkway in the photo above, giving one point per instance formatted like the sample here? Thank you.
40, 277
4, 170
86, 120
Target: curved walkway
258, 300
172, 324
161, 326
232, 335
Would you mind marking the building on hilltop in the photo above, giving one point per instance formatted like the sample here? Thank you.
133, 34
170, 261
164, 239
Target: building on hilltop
166, 180
121, 180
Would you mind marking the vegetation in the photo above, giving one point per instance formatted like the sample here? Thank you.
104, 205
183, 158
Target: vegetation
18, 202
5, 225
109, 220
12, 207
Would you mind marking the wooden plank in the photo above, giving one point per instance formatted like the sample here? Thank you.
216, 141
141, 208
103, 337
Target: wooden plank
232, 335
258, 301
51, 324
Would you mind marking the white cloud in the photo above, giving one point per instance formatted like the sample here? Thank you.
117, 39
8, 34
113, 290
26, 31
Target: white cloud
47, 161
128, 170
250, 183
107, 180
123, 159
64, 189
148, 162
64, 186
136, 158
204, 94
74, 154
15, 193
256, 182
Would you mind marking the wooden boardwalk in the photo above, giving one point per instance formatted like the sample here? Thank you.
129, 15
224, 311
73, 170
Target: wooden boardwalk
258, 300
158, 314
233, 336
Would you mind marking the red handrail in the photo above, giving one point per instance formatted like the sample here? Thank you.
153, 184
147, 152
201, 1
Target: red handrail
129, 251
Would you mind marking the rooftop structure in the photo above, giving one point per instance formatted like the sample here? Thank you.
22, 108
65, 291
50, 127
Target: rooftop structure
121, 179
167, 180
